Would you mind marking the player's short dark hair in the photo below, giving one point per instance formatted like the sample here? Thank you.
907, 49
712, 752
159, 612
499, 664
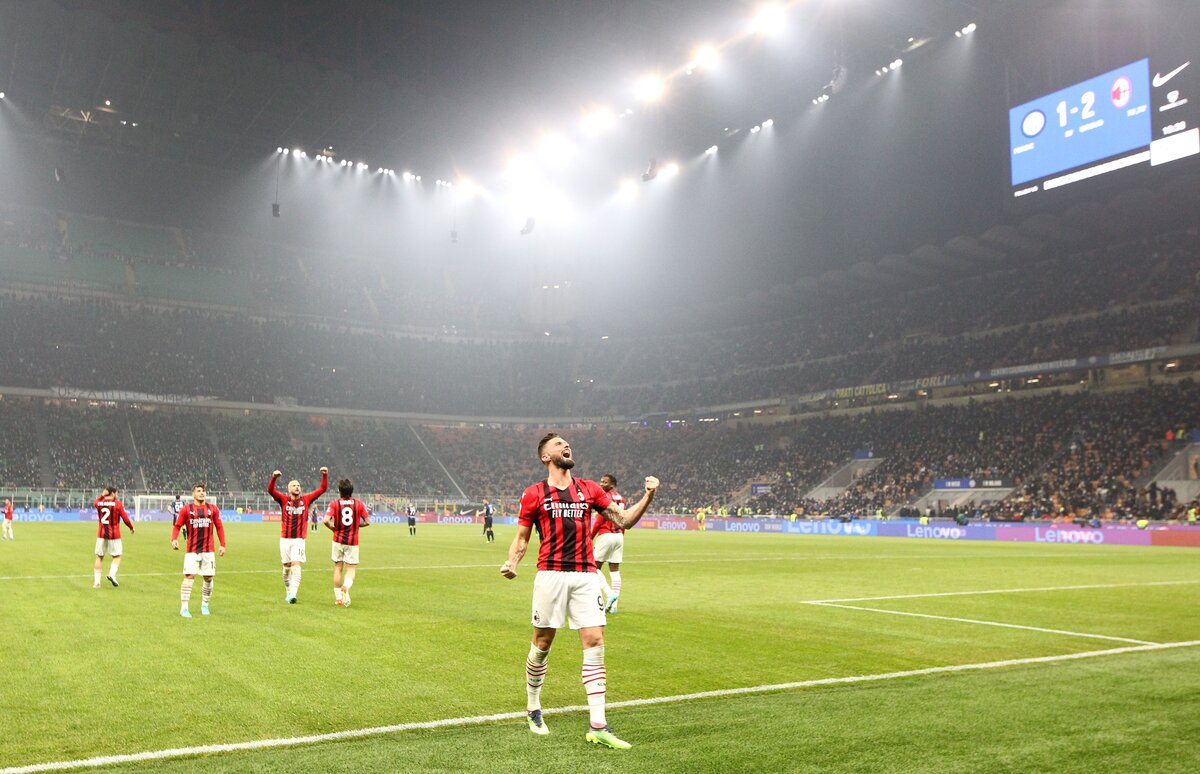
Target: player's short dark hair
547, 438
199, 486
610, 477
345, 487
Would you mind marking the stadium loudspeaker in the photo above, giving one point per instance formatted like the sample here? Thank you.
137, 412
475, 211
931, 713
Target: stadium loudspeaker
274, 210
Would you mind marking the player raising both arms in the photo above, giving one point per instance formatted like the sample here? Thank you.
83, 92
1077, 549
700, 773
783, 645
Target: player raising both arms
566, 589
608, 545
346, 516
293, 509
202, 520
111, 512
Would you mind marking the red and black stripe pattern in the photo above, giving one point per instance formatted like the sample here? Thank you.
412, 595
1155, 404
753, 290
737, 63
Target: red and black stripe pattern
203, 524
347, 516
561, 518
110, 513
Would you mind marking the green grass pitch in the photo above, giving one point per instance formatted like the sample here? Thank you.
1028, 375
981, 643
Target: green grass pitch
435, 633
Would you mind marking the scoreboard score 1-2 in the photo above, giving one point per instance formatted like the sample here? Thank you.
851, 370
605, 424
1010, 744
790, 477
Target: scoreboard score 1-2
1117, 120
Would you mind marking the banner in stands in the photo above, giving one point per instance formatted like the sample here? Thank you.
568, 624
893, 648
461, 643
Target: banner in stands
972, 483
124, 396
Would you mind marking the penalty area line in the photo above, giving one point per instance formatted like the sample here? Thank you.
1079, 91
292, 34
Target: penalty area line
979, 622
262, 744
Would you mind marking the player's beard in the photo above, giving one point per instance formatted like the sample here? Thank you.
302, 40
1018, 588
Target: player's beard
564, 463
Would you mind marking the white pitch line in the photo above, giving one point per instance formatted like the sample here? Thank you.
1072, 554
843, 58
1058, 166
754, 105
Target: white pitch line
1003, 591
984, 623
261, 744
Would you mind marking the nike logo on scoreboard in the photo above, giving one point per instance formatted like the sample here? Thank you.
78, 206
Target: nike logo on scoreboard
1160, 79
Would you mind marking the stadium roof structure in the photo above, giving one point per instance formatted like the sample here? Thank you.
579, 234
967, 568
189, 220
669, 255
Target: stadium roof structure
419, 82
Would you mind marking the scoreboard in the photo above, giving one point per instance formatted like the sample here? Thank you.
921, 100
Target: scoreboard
1142, 114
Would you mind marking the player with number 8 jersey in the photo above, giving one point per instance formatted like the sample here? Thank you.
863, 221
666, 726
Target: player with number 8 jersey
346, 516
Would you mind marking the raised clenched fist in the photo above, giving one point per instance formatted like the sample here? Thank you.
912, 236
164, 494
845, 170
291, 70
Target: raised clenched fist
276, 474
651, 483
324, 469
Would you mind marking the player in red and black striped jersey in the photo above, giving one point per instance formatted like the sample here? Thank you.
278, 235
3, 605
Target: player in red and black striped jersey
293, 511
608, 545
566, 589
110, 512
203, 522
346, 516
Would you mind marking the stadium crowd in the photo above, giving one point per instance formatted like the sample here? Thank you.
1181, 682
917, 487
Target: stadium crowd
1079, 454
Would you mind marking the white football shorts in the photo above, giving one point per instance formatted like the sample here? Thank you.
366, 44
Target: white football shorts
572, 598
608, 547
344, 553
291, 550
200, 564
106, 546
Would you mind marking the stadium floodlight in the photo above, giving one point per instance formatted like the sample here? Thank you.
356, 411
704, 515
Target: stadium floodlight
670, 170
712, 151
704, 57
650, 88
768, 123
596, 121
108, 103
896, 64
768, 20
295, 151
755, 129
406, 176
970, 28
555, 147
628, 189
2, 95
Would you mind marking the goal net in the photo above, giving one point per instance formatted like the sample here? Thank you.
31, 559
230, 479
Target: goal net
145, 506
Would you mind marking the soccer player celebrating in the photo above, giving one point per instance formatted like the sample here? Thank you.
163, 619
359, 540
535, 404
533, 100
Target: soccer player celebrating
566, 589
293, 509
8, 518
489, 512
111, 512
411, 510
346, 516
608, 545
202, 520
